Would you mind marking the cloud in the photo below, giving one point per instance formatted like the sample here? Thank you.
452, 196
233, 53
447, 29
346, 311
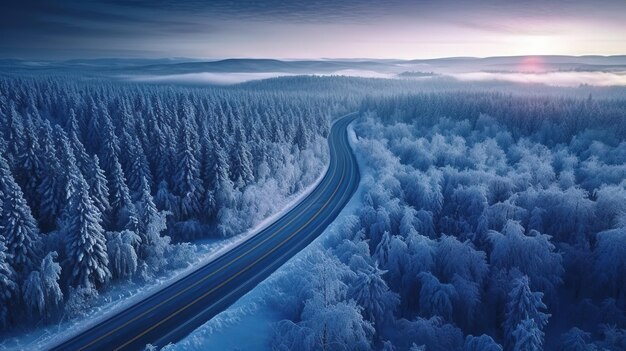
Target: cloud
204, 78
179, 27
564, 79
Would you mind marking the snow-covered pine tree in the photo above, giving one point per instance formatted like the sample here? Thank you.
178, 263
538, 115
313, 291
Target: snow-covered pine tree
151, 224
164, 199
69, 165
577, 340
160, 154
242, 159
14, 134
8, 284
50, 193
19, 227
139, 170
110, 147
123, 211
80, 153
527, 336
98, 188
28, 172
523, 304
87, 259
187, 183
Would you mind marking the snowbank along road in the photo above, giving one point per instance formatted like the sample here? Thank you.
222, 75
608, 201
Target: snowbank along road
176, 310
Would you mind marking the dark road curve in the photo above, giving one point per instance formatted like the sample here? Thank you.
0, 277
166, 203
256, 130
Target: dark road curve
176, 310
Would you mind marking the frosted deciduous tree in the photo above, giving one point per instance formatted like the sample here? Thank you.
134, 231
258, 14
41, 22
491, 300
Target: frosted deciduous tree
436, 298
371, 292
534, 255
42, 292
610, 261
121, 248
338, 326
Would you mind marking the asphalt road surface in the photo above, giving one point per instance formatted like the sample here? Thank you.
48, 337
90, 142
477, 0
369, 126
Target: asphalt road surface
173, 312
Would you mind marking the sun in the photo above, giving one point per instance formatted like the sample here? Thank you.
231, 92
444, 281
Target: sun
532, 64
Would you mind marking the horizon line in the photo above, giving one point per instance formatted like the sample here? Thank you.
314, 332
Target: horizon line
217, 59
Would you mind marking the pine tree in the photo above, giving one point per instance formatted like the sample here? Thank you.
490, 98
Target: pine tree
528, 336
152, 224
577, 340
164, 200
28, 174
139, 170
220, 169
187, 180
8, 285
123, 212
80, 153
160, 155
19, 227
14, 135
94, 129
51, 198
68, 163
110, 148
87, 258
242, 160
98, 188
523, 304
149, 219
382, 250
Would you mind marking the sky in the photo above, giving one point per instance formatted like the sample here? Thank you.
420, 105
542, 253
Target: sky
295, 29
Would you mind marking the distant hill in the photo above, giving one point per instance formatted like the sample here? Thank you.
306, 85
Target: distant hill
122, 67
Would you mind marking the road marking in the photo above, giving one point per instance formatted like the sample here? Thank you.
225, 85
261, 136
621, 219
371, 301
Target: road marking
236, 274
207, 276
255, 275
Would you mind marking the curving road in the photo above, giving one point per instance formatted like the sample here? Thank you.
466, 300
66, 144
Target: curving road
176, 310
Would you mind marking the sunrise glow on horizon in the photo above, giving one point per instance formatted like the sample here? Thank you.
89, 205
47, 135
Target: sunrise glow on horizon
324, 29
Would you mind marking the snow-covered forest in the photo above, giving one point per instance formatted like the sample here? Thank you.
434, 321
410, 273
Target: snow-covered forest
487, 221
104, 182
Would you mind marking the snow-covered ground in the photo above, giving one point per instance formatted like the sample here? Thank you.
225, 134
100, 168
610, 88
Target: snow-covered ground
123, 295
251, 316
